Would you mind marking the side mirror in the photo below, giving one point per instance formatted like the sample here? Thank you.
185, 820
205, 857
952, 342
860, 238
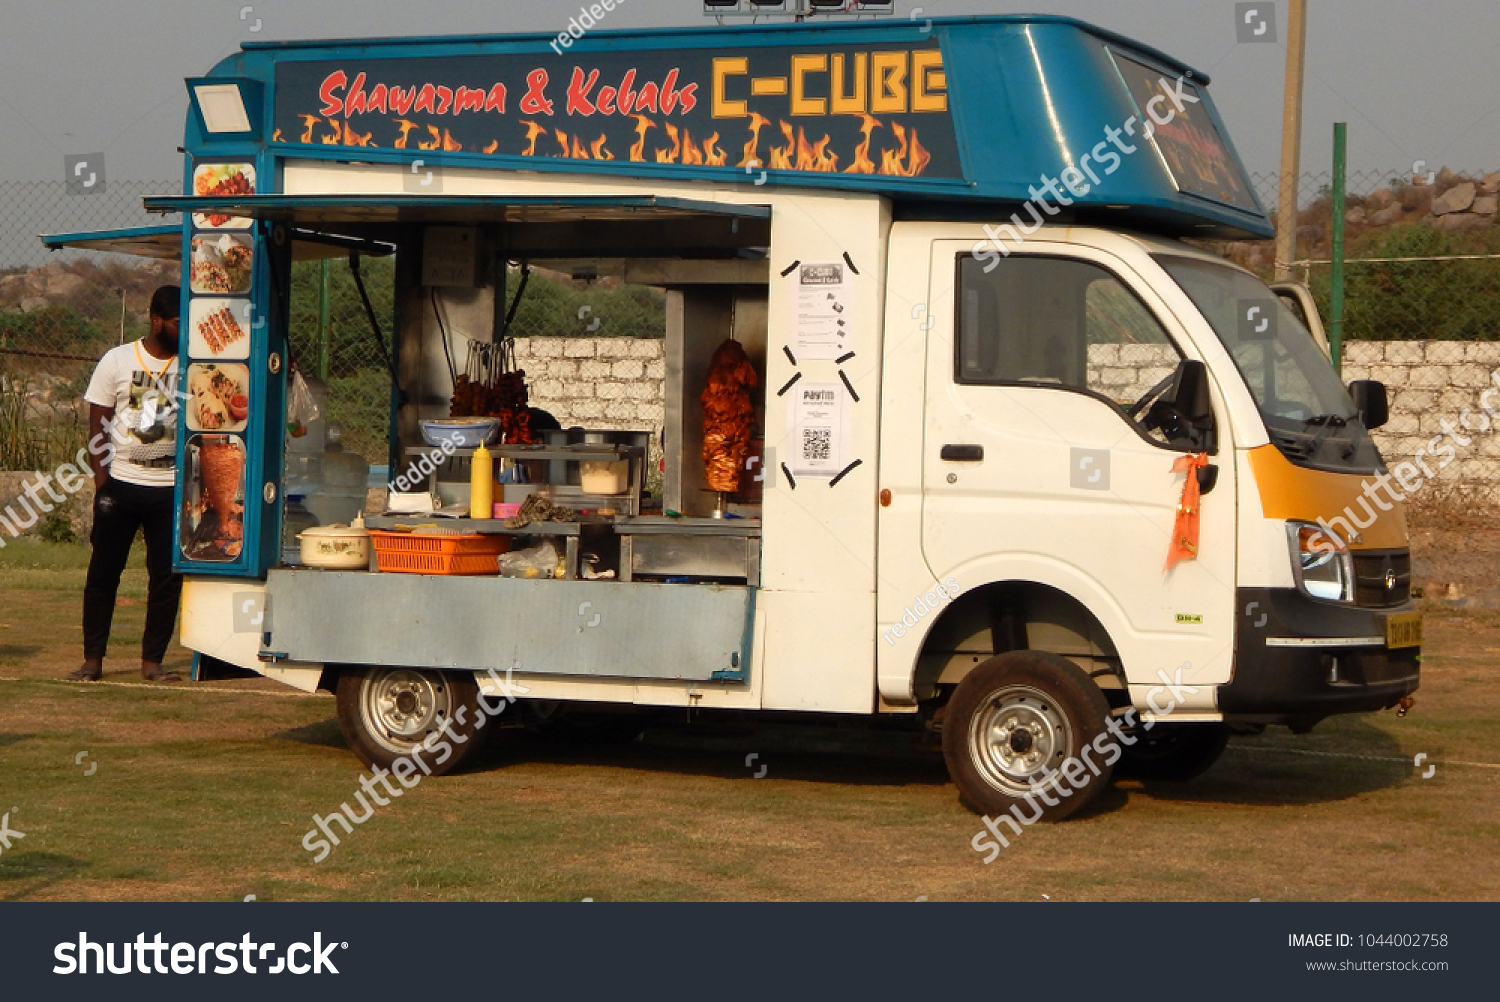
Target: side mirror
1189, 391
1370, 400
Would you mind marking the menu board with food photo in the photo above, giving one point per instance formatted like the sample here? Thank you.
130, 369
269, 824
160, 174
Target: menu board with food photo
218, 328
222, 263
217, 397
213, 492
221, 181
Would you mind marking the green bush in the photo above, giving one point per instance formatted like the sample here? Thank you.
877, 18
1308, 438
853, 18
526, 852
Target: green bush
1418, 300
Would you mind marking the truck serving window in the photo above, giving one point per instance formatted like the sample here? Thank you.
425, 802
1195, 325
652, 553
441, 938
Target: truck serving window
1041, 321
1306, 409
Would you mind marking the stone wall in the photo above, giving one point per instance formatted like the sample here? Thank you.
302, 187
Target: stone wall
1434, 389
612, 382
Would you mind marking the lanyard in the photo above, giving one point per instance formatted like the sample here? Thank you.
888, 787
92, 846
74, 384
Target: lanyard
155, 376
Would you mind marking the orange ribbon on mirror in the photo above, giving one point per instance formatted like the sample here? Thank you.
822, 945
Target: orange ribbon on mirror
1185, 531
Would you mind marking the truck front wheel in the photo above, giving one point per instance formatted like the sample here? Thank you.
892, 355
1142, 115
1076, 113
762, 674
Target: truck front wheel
388, 714
1019, 733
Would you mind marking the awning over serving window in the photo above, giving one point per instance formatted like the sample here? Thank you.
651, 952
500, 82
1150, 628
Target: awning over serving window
453, 209
532, 226
164, 243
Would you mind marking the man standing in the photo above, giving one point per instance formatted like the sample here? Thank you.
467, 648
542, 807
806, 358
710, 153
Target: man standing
133, 400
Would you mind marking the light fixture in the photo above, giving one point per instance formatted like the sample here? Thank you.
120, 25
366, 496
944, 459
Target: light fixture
222, 107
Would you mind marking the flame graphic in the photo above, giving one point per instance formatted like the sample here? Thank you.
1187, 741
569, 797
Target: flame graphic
670, 156
597, 150
712, 155
752, 148
406, 127
312, 122
815, 156
440, 141
781, 156
276, 136
492, 147
533, 131
862, 164
642, 126
352, 138
915, 157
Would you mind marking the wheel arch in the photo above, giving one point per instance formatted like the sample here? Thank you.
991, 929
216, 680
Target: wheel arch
1015, 615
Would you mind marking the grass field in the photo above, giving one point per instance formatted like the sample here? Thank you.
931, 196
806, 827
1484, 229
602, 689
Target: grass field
204, 792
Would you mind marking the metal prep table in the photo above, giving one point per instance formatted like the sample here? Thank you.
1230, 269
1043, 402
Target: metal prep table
689, 547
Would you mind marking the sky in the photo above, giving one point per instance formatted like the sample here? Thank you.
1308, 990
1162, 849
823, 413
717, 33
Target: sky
1415, 79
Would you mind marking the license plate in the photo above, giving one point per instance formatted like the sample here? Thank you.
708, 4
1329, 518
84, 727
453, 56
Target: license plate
1404, 630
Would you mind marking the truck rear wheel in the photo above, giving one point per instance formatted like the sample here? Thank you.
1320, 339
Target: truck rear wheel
1017, 726
388, 713
1173, 752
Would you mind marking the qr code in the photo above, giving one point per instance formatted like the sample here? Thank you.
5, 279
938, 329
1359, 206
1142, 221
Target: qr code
817, 443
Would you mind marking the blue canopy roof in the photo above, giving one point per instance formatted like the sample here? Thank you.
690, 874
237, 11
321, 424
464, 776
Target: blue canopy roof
973, 114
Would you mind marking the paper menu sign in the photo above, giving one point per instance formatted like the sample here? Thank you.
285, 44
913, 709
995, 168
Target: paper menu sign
820, 429
822, 314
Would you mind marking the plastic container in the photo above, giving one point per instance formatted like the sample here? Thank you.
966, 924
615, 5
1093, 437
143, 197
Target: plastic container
481, 483
465, 433
336, 547
294, 520
604, 477
418, 553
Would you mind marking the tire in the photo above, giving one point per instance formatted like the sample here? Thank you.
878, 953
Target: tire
1173, 753
387, 713
1013, 720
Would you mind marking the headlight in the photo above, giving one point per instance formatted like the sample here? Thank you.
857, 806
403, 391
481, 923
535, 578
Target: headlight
1321, 563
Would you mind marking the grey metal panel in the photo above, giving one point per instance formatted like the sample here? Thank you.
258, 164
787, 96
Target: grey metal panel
699, 556
582, 628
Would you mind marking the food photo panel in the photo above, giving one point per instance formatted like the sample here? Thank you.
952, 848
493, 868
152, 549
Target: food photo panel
222, 181
218, 396
219, 328
222, 263
213, 499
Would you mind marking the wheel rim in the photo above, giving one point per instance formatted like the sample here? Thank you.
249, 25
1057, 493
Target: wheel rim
1017, 737
399, 707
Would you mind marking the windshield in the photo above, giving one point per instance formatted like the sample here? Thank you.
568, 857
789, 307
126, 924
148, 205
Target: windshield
1306, 408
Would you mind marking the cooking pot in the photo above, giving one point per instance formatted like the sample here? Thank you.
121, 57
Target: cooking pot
335, 547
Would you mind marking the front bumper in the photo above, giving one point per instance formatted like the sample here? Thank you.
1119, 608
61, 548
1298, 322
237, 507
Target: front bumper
1298, 660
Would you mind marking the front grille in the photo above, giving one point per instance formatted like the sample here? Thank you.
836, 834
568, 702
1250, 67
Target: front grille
1374, 569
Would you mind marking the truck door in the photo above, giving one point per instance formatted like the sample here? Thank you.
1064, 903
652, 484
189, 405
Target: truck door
1039, 460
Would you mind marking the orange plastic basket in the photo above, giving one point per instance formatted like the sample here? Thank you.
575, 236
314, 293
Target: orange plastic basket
411, 553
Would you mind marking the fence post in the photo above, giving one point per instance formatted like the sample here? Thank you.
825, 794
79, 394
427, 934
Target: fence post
323, 307
1336, 292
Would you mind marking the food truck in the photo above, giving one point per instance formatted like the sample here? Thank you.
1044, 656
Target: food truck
957, 432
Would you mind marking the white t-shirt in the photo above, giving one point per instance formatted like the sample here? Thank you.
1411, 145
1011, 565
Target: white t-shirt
143, 391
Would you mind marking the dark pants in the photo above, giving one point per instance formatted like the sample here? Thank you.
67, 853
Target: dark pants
119, 510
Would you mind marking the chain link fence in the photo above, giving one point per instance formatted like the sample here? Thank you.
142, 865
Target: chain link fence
1435, 279
1422, 251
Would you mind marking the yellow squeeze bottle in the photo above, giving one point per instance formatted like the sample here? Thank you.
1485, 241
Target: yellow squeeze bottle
482, 484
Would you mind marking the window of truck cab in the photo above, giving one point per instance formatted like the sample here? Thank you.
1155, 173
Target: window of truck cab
1307, 411
1066, 323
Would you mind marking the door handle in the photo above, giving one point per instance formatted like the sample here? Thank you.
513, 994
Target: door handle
962, 453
